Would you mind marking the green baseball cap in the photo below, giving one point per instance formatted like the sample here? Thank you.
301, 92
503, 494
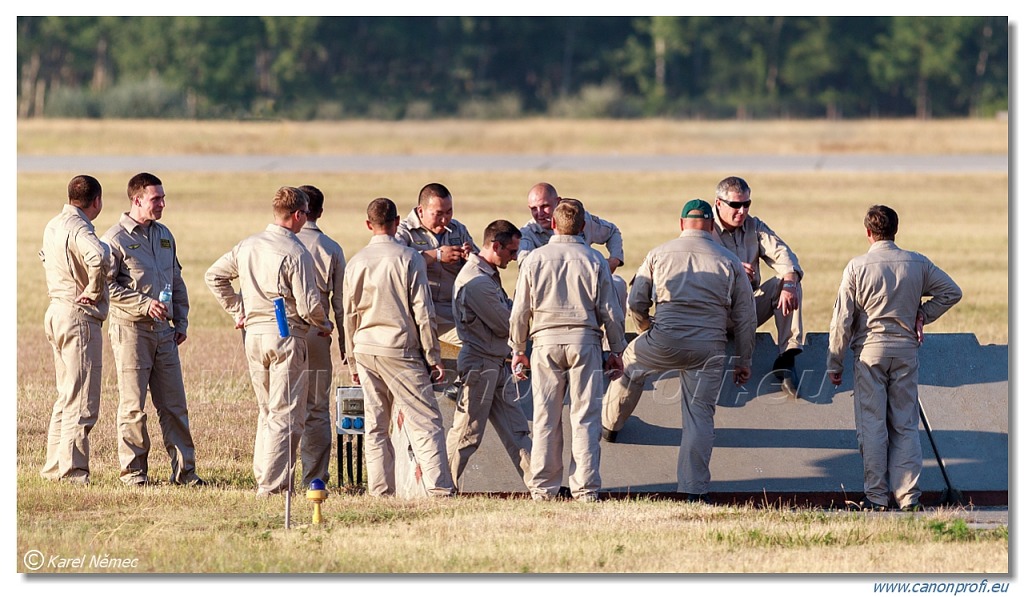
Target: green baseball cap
697, 204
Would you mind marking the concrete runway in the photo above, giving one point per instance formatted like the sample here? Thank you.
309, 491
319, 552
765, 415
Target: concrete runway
772, 449
938, 164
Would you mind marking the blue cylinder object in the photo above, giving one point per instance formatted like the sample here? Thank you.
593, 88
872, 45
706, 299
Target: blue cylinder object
282, 318
317, 485
346, 423
358, 423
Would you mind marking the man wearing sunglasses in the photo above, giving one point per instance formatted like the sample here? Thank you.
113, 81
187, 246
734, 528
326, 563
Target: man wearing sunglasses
752, 240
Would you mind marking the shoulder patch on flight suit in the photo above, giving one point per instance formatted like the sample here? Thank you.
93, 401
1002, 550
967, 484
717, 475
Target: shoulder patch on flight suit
135, 246
165, 243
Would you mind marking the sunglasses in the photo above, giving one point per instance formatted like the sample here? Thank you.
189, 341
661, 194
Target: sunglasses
736, 204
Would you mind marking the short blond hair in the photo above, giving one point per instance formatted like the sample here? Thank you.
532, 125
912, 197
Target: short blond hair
288, 200
568, 217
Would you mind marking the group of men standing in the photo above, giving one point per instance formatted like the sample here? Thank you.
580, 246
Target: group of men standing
120, 275
424, 280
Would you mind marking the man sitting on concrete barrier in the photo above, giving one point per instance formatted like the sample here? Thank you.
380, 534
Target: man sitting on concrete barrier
879, 314
563, 299
753, 241
699, 290
482, 311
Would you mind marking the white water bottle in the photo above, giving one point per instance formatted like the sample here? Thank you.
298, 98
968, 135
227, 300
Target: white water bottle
165, 295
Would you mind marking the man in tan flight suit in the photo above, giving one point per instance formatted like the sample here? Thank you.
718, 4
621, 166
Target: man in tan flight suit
780, 296
700, 289
76, 265
542, 201
444, 243
563, 299
329, 259
880, 315
391, 341
145, 334
482, 312
269, 265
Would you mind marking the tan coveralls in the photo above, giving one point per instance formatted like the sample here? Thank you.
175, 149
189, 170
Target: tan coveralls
563, 299
755, 241
482, 312
595, 231
268, 265
391, 339
76, 264
145, 351
700, 289
317, 437
875, 315
440, 276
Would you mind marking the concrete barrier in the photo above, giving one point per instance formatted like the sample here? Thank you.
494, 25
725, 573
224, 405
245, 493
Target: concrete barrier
770, 447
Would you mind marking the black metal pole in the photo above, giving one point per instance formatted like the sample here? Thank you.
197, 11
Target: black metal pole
348, 459
952, 495
359, 459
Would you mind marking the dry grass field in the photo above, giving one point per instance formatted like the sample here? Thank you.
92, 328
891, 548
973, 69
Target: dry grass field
539, 136
960, 221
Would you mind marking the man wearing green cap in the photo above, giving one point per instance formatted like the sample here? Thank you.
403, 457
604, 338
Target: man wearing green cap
699, 290
752, 241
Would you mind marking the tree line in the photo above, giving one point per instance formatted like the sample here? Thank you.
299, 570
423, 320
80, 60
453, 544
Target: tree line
507, 67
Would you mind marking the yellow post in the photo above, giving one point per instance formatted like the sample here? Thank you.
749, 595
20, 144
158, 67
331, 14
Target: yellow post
317, 493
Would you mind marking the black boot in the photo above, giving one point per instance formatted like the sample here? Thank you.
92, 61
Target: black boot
786, 364
453, 389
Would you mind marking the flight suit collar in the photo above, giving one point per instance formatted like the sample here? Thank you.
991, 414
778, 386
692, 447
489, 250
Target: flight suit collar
130, 224
72, 210
882, 245
280, 230
482, 266
538, 229
567, 238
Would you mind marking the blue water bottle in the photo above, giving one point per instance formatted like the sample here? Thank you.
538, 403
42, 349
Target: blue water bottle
282, 319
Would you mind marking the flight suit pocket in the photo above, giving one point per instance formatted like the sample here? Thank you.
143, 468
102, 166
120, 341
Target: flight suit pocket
126, 346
